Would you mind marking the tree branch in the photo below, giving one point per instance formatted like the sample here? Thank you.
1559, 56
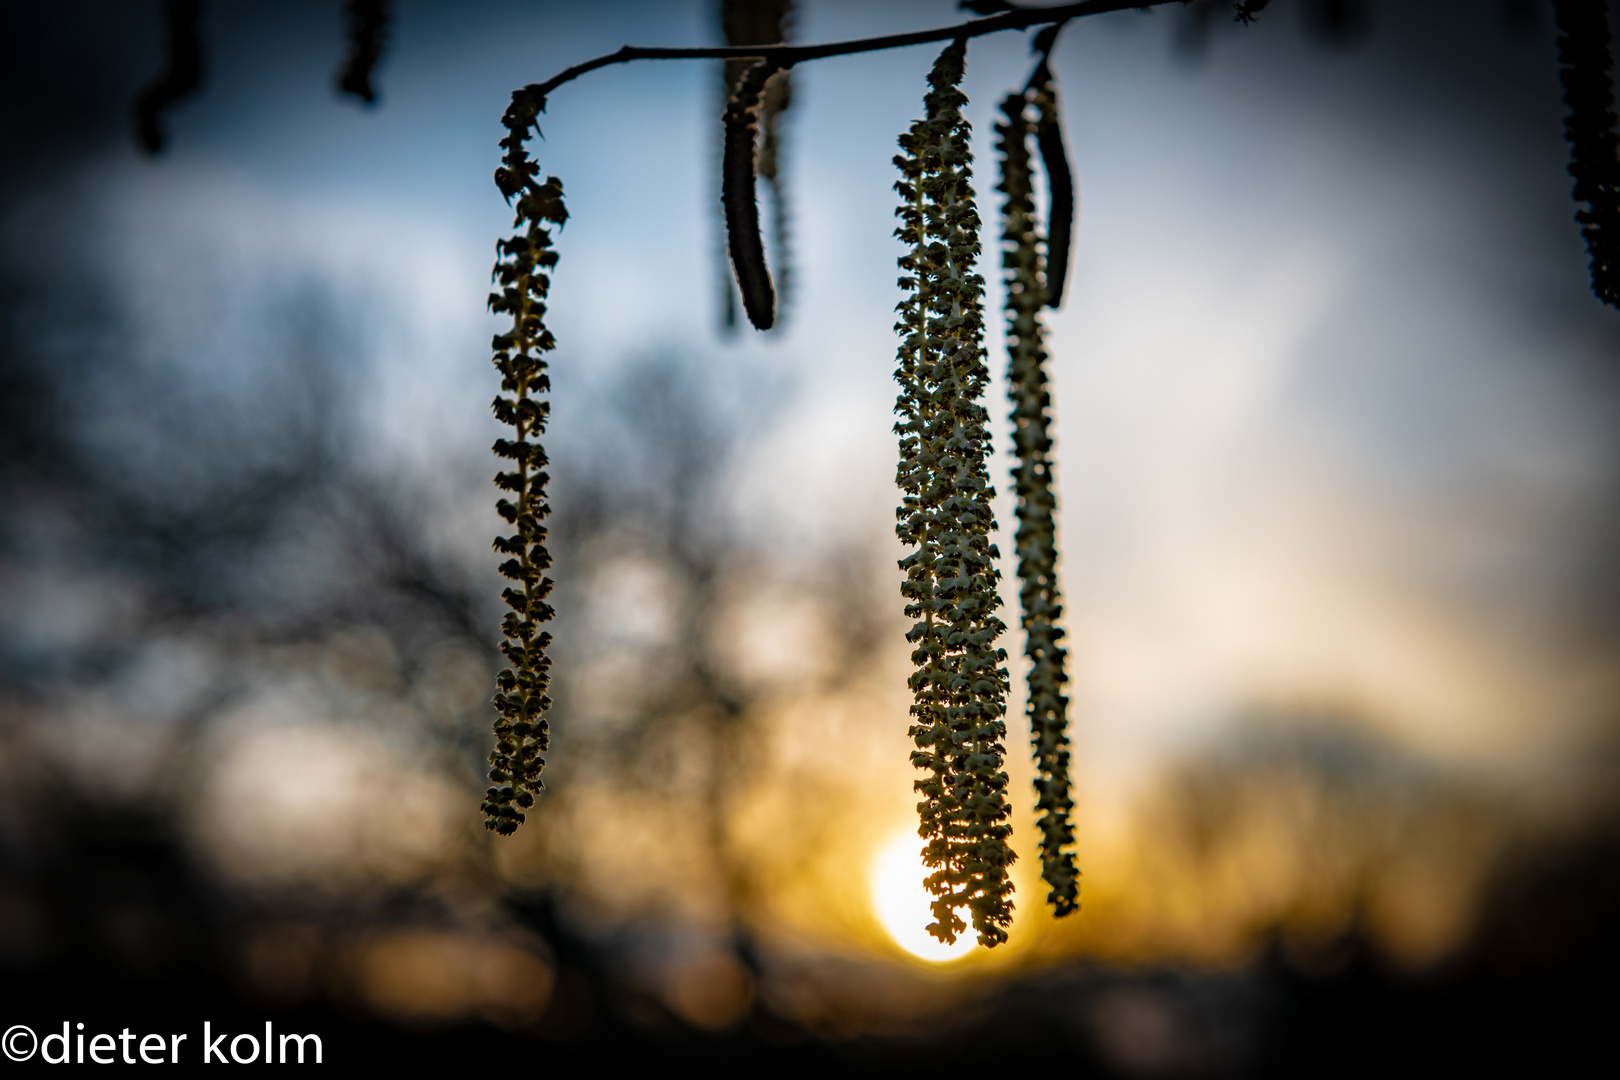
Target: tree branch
784, 56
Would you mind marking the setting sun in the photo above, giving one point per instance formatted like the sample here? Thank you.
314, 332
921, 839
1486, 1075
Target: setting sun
901, 900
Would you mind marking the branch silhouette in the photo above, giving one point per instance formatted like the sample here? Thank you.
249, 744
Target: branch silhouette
784, 56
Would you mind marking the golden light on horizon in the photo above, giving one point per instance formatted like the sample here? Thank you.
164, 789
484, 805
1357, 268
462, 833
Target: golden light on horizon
901, 901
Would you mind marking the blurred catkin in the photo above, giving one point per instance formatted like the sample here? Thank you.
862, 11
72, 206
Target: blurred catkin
959, 685
1587, 73
521, 728
367, 26
763, 22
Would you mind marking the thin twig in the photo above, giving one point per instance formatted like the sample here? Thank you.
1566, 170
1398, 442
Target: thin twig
784, 56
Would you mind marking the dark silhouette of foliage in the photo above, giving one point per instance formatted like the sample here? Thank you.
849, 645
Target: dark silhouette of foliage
182, 77
182, 74
1249, 10
368, 33
1586, 65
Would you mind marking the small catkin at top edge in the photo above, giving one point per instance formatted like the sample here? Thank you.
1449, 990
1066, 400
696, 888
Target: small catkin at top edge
740, 197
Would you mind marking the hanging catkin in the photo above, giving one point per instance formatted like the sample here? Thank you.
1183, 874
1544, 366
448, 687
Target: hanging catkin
1059, 186
521, 729
739, 195
368, 32
181, 77
959, 686
1586, 70
1027, 294
762, 22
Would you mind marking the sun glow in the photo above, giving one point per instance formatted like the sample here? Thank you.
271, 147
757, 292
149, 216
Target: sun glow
901, 901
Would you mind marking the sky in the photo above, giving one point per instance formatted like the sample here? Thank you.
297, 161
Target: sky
1325, 427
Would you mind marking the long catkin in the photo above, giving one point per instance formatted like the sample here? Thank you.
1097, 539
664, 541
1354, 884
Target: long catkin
522, 731
1027, 283
959, 685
